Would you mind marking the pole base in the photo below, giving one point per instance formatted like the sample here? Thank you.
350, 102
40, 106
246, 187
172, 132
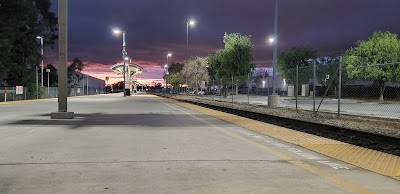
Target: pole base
62, 115
273, 101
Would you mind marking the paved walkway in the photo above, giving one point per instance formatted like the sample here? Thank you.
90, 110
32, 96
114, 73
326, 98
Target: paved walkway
143, 144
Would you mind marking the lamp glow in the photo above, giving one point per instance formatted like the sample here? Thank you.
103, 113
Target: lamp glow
271, 40
116, 31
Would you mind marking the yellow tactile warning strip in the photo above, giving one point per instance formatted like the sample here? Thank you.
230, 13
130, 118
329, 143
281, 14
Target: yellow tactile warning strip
379, 162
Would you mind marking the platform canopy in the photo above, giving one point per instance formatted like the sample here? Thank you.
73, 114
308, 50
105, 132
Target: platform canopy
134, 69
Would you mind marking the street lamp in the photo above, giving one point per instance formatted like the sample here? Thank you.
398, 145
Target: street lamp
271, 40
124, 53
168, 56
41, 45
275, 38
48, 82
189, 23
166, 72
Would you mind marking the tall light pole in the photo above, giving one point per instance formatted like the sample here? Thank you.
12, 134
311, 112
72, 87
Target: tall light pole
63, 56
275, 41
41, 45
189, 23
165, 70
168, 56
124, 54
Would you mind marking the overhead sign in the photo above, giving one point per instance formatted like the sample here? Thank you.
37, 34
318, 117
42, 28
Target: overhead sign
19, 89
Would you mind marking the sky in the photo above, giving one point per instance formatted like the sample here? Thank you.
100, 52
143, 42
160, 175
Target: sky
157, 27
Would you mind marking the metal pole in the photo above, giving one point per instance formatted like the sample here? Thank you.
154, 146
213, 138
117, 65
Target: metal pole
232, 90
275, 47
63, 49
213, 89
248, 88
123, 56
37, 84
83, 85
297, 85
314, 83
340, 83
41, 43
187, 40
48, 84
87, 85
220, 91
269, 80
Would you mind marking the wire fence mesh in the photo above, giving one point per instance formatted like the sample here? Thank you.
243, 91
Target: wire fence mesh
372, 90
11, 93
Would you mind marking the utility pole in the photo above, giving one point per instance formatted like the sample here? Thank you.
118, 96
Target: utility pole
63, 57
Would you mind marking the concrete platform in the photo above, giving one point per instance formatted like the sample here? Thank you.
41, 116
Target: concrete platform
145, 144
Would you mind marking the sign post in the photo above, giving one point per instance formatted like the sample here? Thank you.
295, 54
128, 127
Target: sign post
5, 94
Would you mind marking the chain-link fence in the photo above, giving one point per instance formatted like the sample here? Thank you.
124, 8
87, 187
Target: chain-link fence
319, 86
372, 90
11, 93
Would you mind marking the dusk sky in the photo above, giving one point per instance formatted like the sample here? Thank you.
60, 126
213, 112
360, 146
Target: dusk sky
156, 27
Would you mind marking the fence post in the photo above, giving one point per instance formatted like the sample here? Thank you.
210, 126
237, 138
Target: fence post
37, 83
232, 89
269, 79
5, 94
340, 83
213, 90
220, 91
13, 94
314, 83
297, 85
25, 92
248, 88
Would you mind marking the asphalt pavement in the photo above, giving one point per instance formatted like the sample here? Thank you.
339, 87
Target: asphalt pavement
144, 144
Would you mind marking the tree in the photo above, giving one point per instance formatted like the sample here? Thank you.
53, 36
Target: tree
21, 22
74, 72
235, 60
175, 68
174, 79
196, 70
288, 60
363, 61
118, 87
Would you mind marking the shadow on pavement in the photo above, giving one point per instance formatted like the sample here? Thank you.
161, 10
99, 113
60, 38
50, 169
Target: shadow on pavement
101, 119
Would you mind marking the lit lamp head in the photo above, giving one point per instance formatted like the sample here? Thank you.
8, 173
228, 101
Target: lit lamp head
117, 31
38, 37
165, 66
169, 55
192, 22
271, 40
48, 70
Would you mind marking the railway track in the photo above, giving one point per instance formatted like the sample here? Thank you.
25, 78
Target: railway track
373, 141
